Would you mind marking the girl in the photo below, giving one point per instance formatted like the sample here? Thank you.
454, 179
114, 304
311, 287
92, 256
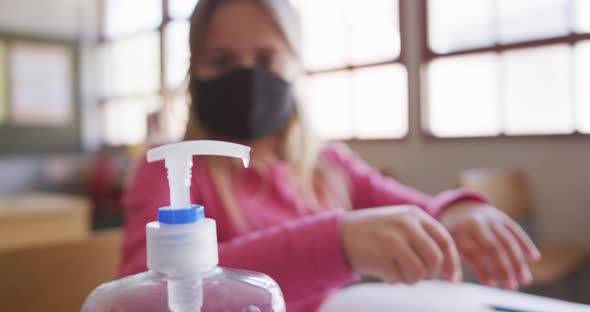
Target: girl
301, 212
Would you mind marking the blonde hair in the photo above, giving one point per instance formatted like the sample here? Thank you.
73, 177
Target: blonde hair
296, 143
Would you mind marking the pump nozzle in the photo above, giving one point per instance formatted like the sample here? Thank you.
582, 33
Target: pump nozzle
183, 241
179, 162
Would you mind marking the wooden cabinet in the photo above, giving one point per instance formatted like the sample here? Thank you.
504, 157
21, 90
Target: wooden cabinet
39, 218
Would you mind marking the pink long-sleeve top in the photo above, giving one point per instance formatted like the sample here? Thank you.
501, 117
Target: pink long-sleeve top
299, 249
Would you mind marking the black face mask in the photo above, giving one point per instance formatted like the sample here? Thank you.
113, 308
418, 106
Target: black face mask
246, 104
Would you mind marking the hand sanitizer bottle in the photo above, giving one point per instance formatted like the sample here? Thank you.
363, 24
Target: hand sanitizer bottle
182, 253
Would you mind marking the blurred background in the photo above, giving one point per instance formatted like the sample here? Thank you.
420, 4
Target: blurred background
487, 94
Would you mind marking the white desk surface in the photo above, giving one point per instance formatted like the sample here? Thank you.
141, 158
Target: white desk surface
438, 296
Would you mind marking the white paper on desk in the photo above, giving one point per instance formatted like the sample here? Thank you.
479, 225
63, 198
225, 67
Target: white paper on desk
437, 296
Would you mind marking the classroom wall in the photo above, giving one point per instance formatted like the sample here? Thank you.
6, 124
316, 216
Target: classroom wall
19, 174
557, 166
55, 18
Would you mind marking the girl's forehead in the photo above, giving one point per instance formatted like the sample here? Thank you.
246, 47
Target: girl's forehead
241, 23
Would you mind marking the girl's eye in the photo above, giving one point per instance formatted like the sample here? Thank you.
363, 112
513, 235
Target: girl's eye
221, 62
265, 60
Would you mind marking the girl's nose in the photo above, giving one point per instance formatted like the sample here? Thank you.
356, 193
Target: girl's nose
247, 62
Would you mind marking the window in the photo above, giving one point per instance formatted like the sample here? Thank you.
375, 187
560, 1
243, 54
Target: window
507, 68
356, 86
3, 82
379, 102
126, 119
449, 31
475, 112
582, 79
181, 9
535, 85
177, 53
524, 20
147, 15
130, 66
582, 16
47, 69
143, 62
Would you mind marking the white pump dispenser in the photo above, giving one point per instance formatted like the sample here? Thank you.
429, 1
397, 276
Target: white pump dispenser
178, 159
182, 254
183, 241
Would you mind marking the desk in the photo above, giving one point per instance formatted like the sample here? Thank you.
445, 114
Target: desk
39, 218
438, 296
57, 277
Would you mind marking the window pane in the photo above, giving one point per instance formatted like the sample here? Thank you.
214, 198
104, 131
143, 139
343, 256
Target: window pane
374, 30
463, 96
342, 32
3, 83
380, 102
177, 53
125, 17
175, 116
327, 99
450, 31
41, 82
130, 66
325, 34
182, 9
582, 82
125, 121
532, 19
536, 86
582, 16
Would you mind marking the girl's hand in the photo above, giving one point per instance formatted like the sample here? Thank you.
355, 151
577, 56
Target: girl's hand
399, 244
491, 243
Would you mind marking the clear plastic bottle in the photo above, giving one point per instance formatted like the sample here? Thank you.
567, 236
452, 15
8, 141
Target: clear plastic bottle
182, 254
222, 290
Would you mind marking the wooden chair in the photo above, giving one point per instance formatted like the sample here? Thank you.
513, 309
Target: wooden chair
59, 276
508, 190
